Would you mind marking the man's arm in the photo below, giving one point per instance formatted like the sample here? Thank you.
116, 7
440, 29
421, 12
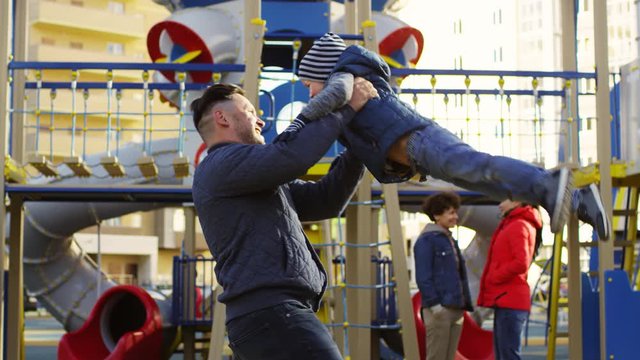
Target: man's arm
336, 93
237, 169
329, 196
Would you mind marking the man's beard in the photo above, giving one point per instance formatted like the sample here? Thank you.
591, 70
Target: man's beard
250, 137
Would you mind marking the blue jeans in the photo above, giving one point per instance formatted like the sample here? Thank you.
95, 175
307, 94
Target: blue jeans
286, 331
507, 330
437, 152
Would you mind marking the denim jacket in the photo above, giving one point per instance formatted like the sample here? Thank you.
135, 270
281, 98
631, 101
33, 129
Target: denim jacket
440, 270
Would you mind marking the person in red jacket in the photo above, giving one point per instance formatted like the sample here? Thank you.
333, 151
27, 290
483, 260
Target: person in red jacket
503, 285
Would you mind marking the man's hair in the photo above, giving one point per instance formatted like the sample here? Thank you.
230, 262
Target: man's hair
212, 96
438, 203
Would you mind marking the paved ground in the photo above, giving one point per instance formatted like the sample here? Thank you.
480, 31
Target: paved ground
42, 334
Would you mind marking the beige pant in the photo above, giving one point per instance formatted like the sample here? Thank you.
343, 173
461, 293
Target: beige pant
443, 332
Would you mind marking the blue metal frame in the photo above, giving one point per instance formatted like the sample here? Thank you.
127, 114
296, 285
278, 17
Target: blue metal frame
182, 269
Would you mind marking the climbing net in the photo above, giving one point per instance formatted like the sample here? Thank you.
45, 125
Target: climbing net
118, 122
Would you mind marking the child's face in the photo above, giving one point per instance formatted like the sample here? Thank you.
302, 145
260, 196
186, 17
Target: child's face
314, 87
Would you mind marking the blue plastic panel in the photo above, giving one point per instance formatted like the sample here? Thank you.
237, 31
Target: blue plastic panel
590, 321
304, 17
622, 306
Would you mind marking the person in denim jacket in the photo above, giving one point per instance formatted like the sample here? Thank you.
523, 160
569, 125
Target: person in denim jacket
441, 277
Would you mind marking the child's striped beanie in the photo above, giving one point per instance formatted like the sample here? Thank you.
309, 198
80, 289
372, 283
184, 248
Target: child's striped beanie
319, 61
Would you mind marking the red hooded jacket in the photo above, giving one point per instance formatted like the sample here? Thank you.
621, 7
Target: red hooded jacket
504, 279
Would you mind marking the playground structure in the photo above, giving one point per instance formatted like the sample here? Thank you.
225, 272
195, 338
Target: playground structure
157, 171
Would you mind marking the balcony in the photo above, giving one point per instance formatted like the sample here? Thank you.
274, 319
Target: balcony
63, 54
97, 21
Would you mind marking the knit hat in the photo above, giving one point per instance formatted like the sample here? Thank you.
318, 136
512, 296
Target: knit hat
319, 61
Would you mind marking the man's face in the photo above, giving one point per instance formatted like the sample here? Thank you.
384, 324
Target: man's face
244, 120
314, 87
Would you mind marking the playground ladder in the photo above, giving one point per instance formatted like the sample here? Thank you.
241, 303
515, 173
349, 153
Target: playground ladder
625, 217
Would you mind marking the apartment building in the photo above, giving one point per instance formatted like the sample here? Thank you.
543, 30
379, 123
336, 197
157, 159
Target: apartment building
136, 248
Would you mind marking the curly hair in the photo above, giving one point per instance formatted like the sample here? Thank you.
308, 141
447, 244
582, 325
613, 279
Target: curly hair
437, 204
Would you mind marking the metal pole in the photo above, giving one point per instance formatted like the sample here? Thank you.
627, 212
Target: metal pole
21, 41
605, 248
254, 28
392, 210
637, 3
358, 272
570, 63
189, 279
350, 19
5, 21
99, 258
15, 318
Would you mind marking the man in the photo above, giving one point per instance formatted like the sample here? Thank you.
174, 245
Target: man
251, 205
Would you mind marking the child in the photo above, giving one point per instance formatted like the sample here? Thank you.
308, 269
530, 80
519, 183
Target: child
395, 142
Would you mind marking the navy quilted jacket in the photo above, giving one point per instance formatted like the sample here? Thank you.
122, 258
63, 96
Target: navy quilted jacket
250, 205
382, 121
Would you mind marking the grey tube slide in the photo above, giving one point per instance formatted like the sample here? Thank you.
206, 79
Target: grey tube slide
56, 270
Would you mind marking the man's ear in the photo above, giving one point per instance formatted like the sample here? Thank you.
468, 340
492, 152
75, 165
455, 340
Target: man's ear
220, 118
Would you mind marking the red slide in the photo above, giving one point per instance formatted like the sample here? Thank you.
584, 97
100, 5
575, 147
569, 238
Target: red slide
124, 324
475, 342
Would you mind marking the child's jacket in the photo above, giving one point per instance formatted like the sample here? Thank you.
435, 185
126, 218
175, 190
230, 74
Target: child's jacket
382, 121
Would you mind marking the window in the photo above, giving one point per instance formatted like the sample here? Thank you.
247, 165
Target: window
499, 17
113, 222
76, 45
500, 53
178, 220
115, 7
47, 41
115, 48
585, 5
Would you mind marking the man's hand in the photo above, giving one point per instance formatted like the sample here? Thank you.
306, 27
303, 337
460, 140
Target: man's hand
363, 91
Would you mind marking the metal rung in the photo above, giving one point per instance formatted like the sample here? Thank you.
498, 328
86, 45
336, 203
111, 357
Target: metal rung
563, 304
564, 334
589, 244
593, 273
624, 212
623, 243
